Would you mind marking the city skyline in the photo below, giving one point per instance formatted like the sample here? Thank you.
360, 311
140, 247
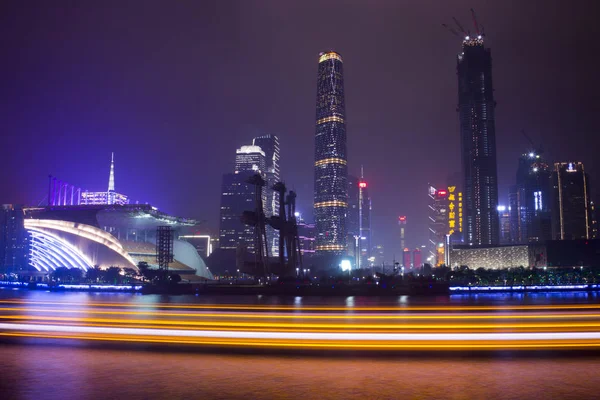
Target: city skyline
149, 116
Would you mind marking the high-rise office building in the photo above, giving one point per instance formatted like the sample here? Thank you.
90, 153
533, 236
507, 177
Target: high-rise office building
478, 142
364, 210
504, 217
358, 221
237, 196
250, 158
378, 254
402, 225
571, 206
306, 236
353, 218
406, 259
417, 258
530, 200
331, 175
438, 222
269, 144
14, 240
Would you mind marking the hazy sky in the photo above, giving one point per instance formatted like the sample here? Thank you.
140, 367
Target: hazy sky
174, 87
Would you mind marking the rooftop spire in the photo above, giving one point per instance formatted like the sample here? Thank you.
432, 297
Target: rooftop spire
111, 177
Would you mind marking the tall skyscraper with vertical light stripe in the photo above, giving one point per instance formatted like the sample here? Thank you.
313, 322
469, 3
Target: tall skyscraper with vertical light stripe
478, 141
331, 174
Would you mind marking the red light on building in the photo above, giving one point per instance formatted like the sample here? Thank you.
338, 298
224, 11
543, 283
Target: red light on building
402, 218
362, 185
442, 193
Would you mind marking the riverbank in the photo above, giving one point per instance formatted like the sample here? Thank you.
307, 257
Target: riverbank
219, 289
524, 288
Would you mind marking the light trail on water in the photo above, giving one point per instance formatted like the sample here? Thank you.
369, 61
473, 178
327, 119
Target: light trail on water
312, 327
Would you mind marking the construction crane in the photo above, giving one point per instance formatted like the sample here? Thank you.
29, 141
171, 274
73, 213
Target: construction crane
451, 30
539, 149
475, 21
460, 26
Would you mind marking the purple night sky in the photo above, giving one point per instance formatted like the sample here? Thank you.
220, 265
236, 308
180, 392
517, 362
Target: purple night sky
174, 87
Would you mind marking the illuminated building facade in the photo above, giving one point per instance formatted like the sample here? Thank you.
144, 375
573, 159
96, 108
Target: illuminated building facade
378, 254
438, 223
331, 175
364, 202
269, 144
105, 235
478, 142
530, 200
202, 243
455, 211
504, 218
402, 225
14, 241
237, 196
406, 259
250, 158
353, 217
306, 236
571, 217
101, 198
417, 258
491, 257
358, 221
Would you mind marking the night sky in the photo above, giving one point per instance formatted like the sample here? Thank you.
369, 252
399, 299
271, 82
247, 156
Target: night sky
173, 88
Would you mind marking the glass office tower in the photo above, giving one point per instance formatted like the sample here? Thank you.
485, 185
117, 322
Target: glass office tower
478, 142
331, 175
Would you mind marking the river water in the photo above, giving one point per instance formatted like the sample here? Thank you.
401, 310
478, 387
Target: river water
78, 370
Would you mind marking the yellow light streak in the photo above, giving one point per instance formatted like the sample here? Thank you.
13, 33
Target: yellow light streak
307, 325
315, 308
312, 316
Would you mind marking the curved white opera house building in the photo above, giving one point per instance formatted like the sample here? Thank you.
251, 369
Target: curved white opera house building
106, 235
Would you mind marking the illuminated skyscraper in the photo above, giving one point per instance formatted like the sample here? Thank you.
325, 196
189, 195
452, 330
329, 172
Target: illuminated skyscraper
504, 217
250, 158
358, 221
530, 200
571, 217
14, 241
237, 196
478, 142
364, 210
417, 258
269, 144
438, 223
353, 218
402, 224
331, 175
